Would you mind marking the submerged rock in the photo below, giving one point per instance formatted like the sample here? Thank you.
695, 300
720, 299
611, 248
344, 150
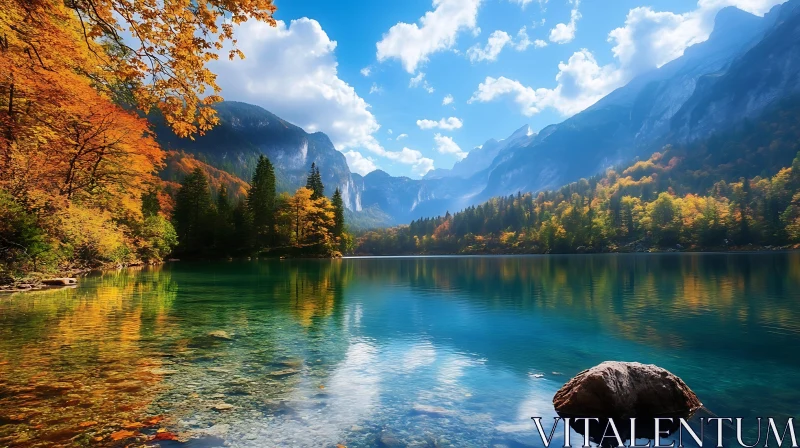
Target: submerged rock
222, 407
219, 334
433, 411
388, 440
625, 389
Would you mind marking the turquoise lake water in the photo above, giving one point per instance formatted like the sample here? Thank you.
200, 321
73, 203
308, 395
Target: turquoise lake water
418, 351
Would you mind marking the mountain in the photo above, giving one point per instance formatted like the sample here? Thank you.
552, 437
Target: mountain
745, 66
763, 76
633, 120
246, 131
479, 158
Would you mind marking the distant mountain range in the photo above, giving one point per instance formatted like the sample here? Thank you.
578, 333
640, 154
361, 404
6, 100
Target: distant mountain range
748, 64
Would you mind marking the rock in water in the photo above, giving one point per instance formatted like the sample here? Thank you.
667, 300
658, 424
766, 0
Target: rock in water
219, 334
66, 281
625, 389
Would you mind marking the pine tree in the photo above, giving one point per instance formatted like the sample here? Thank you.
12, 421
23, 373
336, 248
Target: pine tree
314, 182
192, 213
223, 228
338, 214
261, 203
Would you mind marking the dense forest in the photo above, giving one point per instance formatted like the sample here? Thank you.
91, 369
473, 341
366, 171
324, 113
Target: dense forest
262, 222
737, 189
76, 154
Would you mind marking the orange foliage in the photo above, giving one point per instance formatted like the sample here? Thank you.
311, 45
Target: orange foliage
179, 164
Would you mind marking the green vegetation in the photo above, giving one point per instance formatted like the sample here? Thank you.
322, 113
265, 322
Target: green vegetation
303, 224
732, 190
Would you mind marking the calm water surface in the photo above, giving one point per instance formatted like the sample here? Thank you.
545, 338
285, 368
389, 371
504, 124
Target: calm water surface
439, 351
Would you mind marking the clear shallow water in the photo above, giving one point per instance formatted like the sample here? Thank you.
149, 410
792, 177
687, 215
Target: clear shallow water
437, 351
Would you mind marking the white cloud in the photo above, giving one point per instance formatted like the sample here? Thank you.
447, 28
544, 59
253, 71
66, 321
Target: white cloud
419, 80
524, 3
446, 145
580, 83
437, 30
447, 100
563, 33
497, 40
649, 39
401, 136
292, 71
375, 88
366, 71
652, 38
523, 41
419, 164
448, 124
358, 163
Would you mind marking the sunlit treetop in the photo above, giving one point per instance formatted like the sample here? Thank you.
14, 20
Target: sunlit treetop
159, 48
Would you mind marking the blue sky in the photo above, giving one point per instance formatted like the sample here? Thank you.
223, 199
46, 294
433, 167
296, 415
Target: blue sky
374, 75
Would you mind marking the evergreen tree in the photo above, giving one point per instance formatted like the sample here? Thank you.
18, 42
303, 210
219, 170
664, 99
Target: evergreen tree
192, 213
242, 228
261, 203
314, 182
224, 228
338, 214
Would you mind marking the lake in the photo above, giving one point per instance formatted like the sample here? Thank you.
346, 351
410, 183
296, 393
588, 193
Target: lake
417, 351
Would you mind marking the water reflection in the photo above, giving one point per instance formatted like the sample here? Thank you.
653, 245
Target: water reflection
440, 351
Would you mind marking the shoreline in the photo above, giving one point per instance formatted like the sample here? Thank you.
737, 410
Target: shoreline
738, 249
34, 281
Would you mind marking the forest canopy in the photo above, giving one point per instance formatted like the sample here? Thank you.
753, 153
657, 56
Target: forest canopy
76, 156
738, 188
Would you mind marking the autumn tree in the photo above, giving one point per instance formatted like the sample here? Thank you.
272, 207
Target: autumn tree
307, 221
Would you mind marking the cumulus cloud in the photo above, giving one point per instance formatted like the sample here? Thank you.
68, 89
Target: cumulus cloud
437, 30
447, 124
420, 81
563, 33
497, 40
446, 145
291, 70
580, 83
419, 163
358, 163
648, 39
447, 100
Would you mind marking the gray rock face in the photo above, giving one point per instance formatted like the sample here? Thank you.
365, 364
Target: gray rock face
625, 389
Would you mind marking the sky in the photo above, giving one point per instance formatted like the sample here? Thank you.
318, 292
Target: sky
407, 86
